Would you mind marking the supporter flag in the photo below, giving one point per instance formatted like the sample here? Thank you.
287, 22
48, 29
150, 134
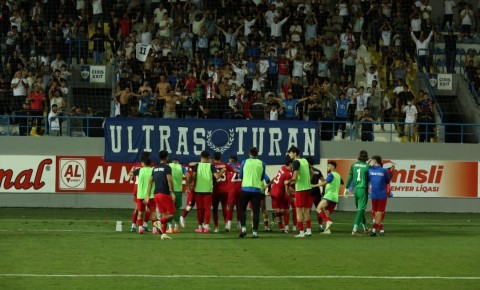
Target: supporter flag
142, 51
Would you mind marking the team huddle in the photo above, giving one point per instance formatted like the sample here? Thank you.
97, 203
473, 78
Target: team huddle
296, 187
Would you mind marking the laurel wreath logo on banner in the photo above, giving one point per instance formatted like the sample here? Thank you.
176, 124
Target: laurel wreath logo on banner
221, 149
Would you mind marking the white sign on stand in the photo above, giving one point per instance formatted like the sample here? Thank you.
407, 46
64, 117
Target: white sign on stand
445, 82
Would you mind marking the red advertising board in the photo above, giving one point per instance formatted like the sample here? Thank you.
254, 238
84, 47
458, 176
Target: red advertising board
91, 174
426, 178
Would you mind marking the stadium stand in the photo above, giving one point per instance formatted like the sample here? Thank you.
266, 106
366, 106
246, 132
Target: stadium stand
231, 59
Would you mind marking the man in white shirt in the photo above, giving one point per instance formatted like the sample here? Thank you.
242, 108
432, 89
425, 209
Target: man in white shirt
422, 50
97, 12
19, 86
416, 24
362, 101
276, 29
16, 20
54, 121
240, 72
410, 118
371, 73
426, 9
57, 62
448, 13
271, 14
466, 20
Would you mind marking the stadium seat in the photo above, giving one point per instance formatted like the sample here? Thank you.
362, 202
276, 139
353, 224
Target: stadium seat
440, 65
460, 54
4, 120
438, 53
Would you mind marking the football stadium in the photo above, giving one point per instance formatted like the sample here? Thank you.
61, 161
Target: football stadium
219, 144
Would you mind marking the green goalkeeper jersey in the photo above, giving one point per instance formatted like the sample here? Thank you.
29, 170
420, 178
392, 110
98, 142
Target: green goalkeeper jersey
358, 176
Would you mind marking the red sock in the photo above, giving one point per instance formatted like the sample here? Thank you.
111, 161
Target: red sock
278, 213
147, 215
324, 216
139, 222
320, 219
134, 216
229, 214
185, 212
308, 224
286, 219
375, 226
300, 226
164, 221
280, 224
380, 227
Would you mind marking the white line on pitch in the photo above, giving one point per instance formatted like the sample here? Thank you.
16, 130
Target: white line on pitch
239, 276
57, 230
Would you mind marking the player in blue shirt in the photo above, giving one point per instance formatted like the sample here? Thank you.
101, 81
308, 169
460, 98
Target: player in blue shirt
379, 178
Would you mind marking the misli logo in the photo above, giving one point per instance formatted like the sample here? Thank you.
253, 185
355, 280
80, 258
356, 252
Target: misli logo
72, 173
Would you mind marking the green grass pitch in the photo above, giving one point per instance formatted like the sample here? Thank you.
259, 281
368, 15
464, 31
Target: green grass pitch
79, 249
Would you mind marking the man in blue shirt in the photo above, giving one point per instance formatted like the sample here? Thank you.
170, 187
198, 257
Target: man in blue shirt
145, 100
379, 178
341, 114
272, 71
291, 112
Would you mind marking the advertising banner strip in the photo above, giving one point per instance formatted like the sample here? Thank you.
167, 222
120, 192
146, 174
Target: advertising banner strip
91, 174
127, 138
426, 178
27, 173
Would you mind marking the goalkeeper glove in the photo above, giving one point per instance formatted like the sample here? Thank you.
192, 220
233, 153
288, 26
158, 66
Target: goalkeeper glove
346, 193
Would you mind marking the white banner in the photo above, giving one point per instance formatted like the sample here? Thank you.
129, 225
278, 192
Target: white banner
27, 173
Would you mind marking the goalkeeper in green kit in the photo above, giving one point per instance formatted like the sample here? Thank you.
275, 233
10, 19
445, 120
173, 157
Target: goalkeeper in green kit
358, 180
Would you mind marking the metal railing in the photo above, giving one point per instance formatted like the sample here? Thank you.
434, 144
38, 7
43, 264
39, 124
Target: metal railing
34, 125
471, 88
398, 132
329, 130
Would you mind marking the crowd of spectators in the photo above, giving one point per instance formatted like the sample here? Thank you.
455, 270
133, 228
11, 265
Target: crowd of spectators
280, 59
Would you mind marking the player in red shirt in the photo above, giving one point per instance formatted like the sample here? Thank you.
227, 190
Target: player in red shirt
148, 213
220, 190
278, 193
234, 192
190, 199
388, 189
